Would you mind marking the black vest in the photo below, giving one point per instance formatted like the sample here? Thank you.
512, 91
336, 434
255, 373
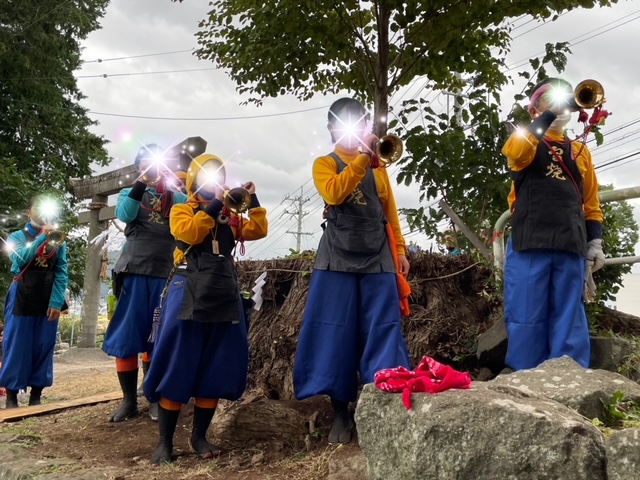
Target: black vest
35, 285
149, 246
212, 293
548, 210
355, 238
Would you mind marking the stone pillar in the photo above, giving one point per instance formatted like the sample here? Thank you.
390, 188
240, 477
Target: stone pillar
92, 280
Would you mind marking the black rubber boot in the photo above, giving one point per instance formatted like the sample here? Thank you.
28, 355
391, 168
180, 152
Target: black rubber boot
153, 411
12, 399
145, 369
201, 421
343, 424
129, 406
167, 420
34, 396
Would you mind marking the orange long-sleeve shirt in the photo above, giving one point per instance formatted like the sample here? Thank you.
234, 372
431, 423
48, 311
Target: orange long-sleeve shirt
192, 228
520, 151
335, 187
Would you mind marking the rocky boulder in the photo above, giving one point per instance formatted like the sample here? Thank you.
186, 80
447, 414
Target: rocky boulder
566, 382
623, 455
488, 432
610, 353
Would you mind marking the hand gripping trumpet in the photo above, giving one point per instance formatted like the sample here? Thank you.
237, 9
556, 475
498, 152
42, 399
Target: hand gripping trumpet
54, 239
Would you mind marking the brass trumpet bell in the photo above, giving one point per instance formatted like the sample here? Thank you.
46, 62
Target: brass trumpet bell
151, 176
389, 148
589, 94
54, 237
237, 200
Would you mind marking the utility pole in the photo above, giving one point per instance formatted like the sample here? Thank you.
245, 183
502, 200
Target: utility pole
299, 213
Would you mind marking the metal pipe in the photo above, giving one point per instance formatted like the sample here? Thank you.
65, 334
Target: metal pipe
605, 196
621, 260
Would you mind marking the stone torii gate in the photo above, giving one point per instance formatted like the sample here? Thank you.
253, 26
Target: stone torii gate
98, 189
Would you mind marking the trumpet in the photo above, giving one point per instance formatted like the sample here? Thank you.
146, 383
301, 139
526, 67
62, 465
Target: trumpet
152, 176
389, 149
237, 200
55, 238
588, 94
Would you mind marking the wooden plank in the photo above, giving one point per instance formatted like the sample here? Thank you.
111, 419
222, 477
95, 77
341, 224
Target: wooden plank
13, 414
107, 213
464, 229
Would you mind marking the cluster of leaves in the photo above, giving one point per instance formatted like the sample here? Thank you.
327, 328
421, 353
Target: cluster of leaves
45, 134
620, 236
619, 413
371, 49
456, 155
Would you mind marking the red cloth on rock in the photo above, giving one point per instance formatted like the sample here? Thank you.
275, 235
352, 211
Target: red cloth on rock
429, 376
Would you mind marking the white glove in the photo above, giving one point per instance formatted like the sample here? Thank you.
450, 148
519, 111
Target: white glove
589, 293
595, 255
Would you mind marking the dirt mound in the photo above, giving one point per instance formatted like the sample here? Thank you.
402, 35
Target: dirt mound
453, 300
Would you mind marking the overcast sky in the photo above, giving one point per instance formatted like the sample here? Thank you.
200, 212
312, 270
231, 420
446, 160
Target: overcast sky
277, 152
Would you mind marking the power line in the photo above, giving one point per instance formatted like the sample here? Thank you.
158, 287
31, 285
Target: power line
113, 59
622, 164
207, 119
190, 119
616, 160
132, 74
524, 61
40, 18
544, 22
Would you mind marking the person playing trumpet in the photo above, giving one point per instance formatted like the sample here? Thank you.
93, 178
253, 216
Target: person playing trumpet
556, 225
33, 305
202, 349
352, 320
140, 273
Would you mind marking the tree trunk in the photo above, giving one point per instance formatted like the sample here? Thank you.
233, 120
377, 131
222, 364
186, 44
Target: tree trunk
263, 420
619, 322
91, 285
381, 96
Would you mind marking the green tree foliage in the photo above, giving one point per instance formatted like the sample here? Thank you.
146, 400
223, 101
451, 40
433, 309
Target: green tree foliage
277, 47
620, 235
45, 134
458, 155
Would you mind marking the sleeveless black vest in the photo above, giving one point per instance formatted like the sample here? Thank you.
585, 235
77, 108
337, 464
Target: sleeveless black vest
211, 293
355, 238
548, 210
149, 246
35, 285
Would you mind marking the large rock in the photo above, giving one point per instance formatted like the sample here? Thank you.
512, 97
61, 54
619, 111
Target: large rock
488, 432
610, 353
564, 381
351, 466
623, 455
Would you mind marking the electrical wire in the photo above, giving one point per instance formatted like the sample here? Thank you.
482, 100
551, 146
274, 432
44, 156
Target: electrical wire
114, 59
